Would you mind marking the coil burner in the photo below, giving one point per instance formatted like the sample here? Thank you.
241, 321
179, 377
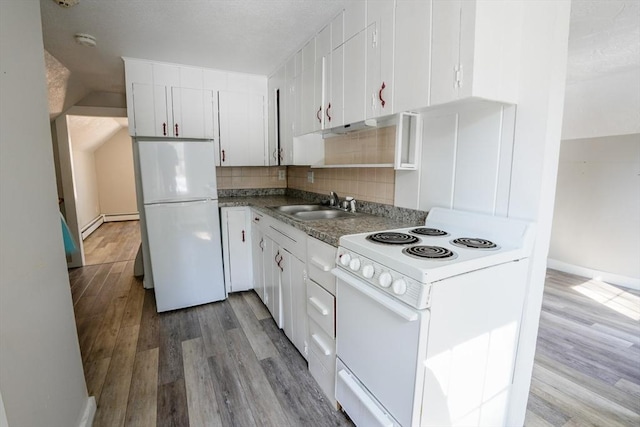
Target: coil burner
430, 252
393, 238
433, 232
474, 243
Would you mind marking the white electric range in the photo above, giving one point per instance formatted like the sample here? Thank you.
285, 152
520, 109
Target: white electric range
427, 320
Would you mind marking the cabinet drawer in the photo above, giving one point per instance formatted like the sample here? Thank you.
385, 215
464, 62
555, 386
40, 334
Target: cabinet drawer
323, 346
321, 308
326, 379
320, 260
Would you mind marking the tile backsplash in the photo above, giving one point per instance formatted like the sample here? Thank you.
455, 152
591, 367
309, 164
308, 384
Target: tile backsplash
250, 177
370, 184
365, 147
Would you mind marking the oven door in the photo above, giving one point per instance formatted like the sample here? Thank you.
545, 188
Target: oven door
381, 341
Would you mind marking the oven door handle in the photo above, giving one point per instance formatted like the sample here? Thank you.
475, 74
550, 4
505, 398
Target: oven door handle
395, 307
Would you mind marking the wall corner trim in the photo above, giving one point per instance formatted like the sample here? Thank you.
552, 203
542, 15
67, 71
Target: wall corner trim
89, 413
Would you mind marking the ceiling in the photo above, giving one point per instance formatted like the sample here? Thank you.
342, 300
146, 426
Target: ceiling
89, 133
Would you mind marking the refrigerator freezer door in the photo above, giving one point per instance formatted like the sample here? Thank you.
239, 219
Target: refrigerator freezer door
186, 253
177, 170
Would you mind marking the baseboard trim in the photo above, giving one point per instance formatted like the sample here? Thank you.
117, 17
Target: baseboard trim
121, 217
89, 413
612, 278
93, 226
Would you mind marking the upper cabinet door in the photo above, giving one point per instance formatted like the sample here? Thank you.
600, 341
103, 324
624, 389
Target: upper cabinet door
411, 53
149, 107
309, 110
380, 31
354, 81
445, 50
242, 133
192, 113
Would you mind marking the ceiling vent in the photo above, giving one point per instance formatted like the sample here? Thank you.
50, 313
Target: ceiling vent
66, 3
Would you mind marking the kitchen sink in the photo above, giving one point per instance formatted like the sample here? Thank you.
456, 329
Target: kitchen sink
313, 212
292, 209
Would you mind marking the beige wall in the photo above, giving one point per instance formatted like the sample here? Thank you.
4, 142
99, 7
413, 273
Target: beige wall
41, 377
86, 180
596, 221
115, 176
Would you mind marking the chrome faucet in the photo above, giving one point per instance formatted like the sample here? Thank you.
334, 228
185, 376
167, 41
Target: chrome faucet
334, 200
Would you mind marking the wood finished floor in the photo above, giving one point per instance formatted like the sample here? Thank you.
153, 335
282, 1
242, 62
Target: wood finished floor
220, 364
111, 242
227, 363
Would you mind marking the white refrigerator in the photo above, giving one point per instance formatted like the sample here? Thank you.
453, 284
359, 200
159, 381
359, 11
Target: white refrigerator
181, 220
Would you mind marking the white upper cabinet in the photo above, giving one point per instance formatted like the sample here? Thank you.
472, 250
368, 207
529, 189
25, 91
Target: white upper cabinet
242, 129
168, 101
379, 74
333, 76
411, 54
354, 89
323, 52
474, 50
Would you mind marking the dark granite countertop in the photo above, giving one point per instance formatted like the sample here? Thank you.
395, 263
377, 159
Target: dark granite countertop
329, 230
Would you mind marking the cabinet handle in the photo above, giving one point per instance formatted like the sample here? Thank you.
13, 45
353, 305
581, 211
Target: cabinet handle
280, 156
223, 156
242, 235
177, 133
257, 219
164, 129
318, 114
319, 306
275, 154
382, 101
321, 265
320, 344
261, 245
327, 111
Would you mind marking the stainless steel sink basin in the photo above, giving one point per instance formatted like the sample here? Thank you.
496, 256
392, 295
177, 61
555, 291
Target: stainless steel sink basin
292, 209
312, 212
323, 214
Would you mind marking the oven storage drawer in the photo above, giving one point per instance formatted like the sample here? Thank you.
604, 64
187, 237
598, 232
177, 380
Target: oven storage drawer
362, 408
326, 378
321, 307
320, 260
322, 345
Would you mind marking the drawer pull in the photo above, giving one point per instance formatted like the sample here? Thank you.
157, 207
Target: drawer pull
320, 344
319, 306
318, 263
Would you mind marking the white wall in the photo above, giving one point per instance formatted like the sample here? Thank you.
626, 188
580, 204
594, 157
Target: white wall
41, 377
596, 223
609, 105
115, 176
86, 179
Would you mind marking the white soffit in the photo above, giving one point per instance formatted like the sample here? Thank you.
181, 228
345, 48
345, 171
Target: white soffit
252, 36
604, 38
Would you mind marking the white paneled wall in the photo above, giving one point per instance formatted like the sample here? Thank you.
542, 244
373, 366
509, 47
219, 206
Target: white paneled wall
466, 161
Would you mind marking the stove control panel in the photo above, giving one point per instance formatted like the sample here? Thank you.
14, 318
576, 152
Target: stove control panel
389, 281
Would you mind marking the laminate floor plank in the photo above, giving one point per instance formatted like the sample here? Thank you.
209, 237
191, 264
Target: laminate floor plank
142, 404
232, 403
212, 329
259, 309
265, 405
109, 327
149, 323
260, 342
112, 406
172, 404
95, 375
170, 366
201, 394
133, 310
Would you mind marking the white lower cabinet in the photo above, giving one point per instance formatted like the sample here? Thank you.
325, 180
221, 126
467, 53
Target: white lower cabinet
236, 248
321, 303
